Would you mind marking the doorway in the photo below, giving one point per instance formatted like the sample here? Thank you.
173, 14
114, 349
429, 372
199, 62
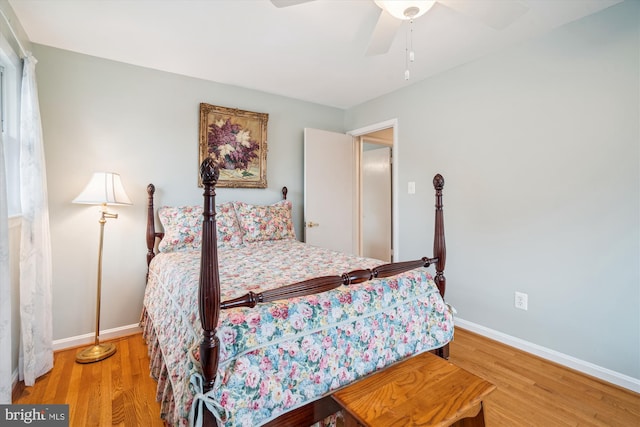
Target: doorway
376, 220
375, 205
333, 202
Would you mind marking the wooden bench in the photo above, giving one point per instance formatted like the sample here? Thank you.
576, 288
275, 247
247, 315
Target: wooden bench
423, 390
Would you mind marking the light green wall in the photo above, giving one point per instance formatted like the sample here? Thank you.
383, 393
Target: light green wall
103, 115
539, 147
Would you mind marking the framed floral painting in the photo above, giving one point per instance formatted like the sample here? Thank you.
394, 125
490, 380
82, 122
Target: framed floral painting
237, 140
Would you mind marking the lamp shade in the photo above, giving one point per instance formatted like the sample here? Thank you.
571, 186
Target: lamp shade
405, 9
104, 188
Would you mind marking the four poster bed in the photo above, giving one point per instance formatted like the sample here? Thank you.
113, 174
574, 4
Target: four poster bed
246, 326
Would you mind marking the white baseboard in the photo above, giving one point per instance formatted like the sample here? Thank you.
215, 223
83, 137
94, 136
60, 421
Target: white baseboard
108, 334
588, 368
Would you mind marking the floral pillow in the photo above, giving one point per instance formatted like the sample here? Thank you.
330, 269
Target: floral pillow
260, 223
227, 227
183, 227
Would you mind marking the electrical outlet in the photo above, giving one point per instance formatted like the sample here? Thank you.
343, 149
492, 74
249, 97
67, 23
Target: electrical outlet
522, 301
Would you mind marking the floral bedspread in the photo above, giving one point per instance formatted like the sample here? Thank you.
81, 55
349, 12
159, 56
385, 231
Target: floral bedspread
278, 356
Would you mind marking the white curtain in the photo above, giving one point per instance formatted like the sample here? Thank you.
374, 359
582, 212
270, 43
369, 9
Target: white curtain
5, 290
36, 349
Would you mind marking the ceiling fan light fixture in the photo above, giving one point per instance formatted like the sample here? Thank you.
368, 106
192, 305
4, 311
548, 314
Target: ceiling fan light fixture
405, 10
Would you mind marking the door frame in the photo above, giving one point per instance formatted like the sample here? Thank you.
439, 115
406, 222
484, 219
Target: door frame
356, 133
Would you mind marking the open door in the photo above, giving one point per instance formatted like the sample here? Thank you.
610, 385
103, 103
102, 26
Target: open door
329, 190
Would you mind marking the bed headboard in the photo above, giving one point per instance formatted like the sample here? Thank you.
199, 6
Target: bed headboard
153, 237
152, 234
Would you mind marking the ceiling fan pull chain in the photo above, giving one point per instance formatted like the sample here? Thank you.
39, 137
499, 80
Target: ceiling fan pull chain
409, 55
407, 75
412, 56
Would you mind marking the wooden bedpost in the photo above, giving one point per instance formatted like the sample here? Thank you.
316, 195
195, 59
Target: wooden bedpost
209, 289
440, 250
439, 246
151, 232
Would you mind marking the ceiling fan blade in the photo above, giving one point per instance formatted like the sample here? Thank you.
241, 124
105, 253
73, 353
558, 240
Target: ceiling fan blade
383, 34
287, 3
497, 14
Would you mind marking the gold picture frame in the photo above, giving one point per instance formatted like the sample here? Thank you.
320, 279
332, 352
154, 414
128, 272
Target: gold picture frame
237, 140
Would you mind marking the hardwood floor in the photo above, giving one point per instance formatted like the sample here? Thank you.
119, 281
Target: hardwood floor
534, 392
116, 391
530, 391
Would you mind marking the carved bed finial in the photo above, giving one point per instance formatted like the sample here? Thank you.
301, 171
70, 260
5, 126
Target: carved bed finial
209, 171
285, 190
438, 182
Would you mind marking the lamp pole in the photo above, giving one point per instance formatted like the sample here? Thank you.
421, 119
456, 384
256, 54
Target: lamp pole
98, 351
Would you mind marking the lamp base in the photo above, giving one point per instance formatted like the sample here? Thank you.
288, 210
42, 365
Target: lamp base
96, 353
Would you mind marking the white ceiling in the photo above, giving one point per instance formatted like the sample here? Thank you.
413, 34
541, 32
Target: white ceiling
312, 51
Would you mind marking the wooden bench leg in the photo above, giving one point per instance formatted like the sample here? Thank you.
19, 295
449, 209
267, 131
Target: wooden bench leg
349, 420
474, 421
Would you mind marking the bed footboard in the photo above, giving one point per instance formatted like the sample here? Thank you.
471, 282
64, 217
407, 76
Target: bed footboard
209, 298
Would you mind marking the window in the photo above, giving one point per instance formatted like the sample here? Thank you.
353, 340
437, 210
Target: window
10, 77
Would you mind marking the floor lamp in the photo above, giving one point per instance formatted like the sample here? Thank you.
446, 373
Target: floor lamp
104, 188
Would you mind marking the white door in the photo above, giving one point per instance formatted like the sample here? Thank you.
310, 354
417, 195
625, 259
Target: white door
376, 202
329, 201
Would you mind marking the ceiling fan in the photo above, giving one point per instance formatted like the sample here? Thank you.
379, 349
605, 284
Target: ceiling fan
497, 14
